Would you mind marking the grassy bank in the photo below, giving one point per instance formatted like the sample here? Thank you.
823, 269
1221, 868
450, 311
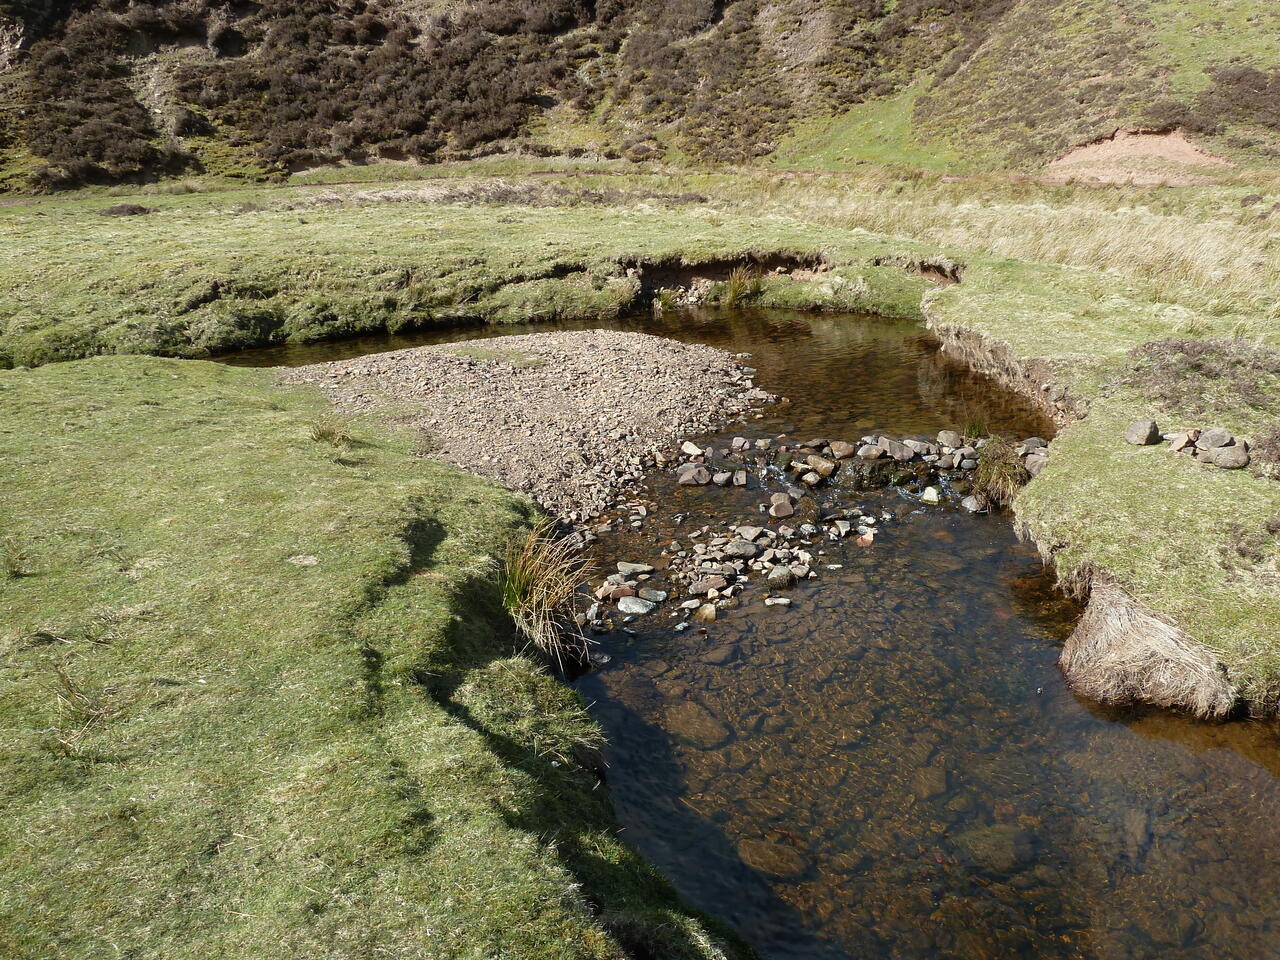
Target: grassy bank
211, 272
261, 698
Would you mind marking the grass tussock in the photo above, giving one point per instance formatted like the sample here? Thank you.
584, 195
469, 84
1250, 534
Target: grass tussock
1000, 474
540, 579
743, 284
333, 430
15, 560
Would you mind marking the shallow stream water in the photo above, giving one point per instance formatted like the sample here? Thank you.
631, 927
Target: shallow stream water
892, 766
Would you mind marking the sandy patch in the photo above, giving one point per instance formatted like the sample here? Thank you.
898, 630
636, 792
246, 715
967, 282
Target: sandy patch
1137, 157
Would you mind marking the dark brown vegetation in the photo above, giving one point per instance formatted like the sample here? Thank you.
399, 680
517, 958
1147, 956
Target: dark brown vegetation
1204, 376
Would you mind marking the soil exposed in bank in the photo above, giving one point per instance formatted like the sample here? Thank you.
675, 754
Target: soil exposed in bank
569, 418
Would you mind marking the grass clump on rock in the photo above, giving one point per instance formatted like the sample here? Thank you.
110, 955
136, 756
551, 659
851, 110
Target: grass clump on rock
1000, 473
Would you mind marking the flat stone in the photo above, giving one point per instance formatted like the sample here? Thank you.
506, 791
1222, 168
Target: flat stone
632, 569
841, 450
691, 449
780, 498
1233, 457
811, 479
1003, 848
931, 495
694, 723
741, 549
706, 584
749, 533
772, 859
782, 509
706, 613
636, 606
1143, 433
693, 475
1213, 438
869, 452
1035, 443
921, 447
1186, 440
653, 596
719, 656
777, 602
929, 782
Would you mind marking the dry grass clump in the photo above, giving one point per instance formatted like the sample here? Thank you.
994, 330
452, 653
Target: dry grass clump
333, 430
15, 561
1266, 453
81, 710
1122, 653
743, 284
1201, 376
540, 578
1000, 474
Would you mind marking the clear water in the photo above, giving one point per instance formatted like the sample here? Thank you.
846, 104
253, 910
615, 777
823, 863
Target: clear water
893, 767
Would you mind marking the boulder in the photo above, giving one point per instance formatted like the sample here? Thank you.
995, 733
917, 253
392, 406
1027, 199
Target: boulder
1233, 457
949, 438
1213, 438
1035, 463
1143, 433
841, 450
869, 452
781, 577
821, 465
899, 451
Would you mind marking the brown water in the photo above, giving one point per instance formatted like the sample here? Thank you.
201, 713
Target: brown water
892, 767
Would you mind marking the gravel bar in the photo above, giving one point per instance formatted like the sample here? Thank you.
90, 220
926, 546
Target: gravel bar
569, 418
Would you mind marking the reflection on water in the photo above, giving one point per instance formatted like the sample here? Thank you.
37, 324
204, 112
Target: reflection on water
892, 767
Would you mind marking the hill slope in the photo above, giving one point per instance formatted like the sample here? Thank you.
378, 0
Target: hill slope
123, 90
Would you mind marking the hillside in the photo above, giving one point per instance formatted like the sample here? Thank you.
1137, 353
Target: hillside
102, 92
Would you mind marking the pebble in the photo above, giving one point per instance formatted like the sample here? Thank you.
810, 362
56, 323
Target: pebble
636, 606
777, 602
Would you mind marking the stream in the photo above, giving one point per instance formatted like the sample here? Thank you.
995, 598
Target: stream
892, 766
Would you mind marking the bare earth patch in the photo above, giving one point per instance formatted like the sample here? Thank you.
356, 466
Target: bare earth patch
569, 418
1137, 157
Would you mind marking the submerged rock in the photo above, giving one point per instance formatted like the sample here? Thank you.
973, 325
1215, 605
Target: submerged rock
773, 859
1003, 848
636, 606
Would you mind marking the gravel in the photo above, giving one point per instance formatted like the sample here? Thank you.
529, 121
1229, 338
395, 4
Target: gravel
569, 418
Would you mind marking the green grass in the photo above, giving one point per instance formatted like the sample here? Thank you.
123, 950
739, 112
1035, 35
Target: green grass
214, 272
264, 701
875, 132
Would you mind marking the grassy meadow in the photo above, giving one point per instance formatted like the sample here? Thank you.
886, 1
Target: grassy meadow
261, 698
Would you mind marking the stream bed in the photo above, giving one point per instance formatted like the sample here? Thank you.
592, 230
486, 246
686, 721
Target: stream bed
892, 766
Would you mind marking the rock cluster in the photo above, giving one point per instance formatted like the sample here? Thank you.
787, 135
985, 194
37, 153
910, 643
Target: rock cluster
875, 461
1214, 445
570, 418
